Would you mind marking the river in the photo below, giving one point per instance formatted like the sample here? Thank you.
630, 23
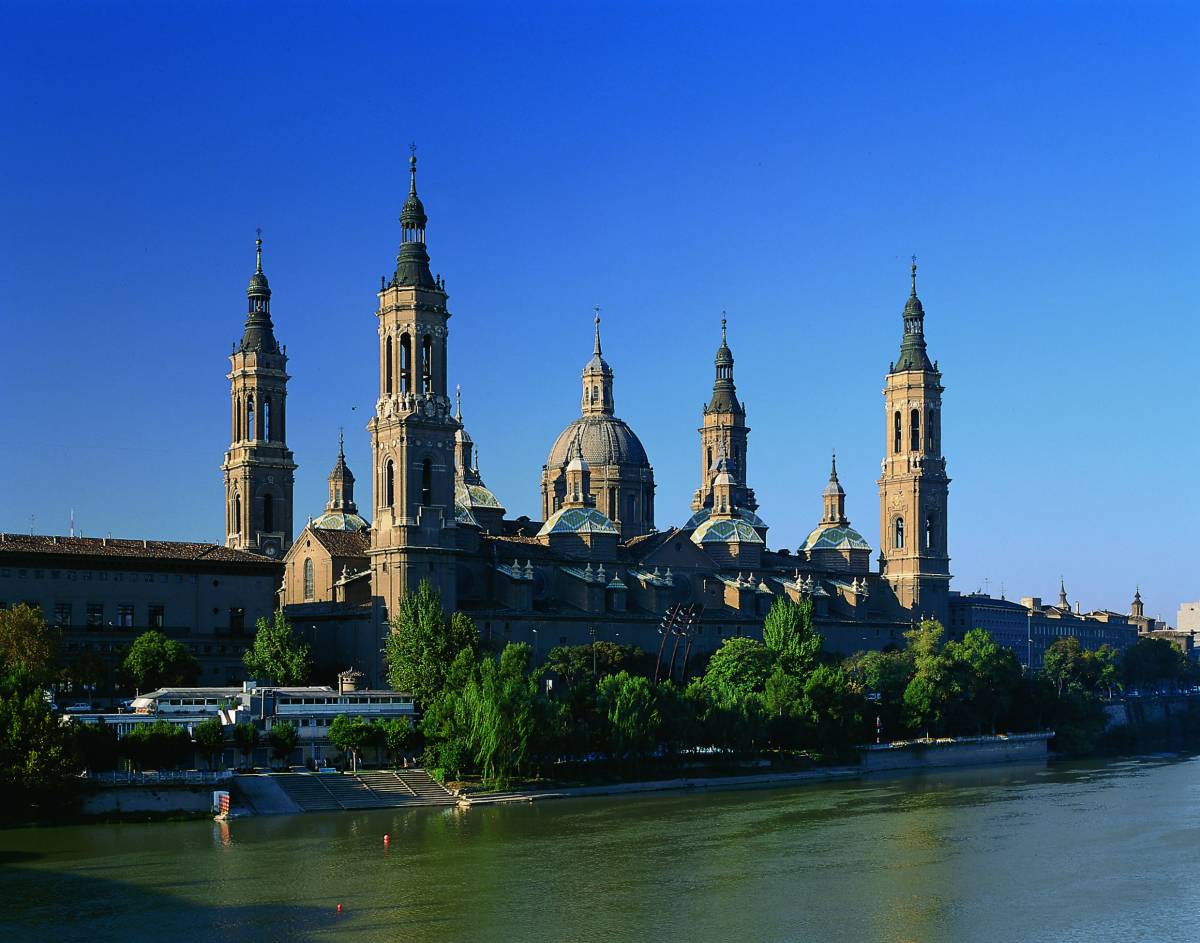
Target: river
1067, 852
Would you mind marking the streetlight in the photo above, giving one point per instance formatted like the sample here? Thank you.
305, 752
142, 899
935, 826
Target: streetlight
1029, 641
535, 645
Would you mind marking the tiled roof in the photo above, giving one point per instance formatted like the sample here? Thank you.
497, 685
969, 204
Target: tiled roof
342, 543
577, 521
725, 531
114, 548
835, 538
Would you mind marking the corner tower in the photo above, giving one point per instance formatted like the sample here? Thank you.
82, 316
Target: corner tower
723, 432
412, 432
259, 470
913, 487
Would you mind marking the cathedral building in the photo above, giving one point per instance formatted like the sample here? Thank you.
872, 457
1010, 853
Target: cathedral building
598, 564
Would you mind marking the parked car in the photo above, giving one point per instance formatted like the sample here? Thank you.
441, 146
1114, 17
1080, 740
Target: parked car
79, 707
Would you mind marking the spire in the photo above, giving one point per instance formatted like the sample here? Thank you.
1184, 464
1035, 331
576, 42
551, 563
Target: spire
412, 264
597, 378
458, 403
912, 346
259, 333
596, 346
341, 482
1063, 602
833, 498
724, 398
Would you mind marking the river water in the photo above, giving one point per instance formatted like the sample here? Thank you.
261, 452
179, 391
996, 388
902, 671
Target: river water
1087, 852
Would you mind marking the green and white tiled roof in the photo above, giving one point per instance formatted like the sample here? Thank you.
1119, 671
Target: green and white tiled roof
724, 532
337, 520
577, 521
835, 538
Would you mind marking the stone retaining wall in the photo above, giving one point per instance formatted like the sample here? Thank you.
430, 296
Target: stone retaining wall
969, 751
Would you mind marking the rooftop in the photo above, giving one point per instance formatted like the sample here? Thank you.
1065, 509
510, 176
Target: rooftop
117, 548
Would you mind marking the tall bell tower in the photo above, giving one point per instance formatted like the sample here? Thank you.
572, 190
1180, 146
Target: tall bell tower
258, 467
723, 432
913, 487
412, 432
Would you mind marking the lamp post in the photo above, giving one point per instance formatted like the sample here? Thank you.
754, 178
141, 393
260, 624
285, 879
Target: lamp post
1029, 641
535, 646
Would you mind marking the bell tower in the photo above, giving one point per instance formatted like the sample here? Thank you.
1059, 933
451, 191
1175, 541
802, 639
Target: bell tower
412, 432
258, 467
913, 487
723, 432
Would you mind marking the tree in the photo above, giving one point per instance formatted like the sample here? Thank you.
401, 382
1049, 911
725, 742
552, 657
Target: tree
500, 707
96, 745
398, 736
992, 672
277, 654
574, 663
882, 677
245, 738
27, 644
1152, 662
423, 643
209, 736
629, 707
283, 739
154, 661
737, 670
931, 695
1064, 663
158, 745
833, 711
352, 735
37, 759
788, 632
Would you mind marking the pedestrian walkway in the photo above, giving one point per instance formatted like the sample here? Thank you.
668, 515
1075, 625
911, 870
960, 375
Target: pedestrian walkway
375, 789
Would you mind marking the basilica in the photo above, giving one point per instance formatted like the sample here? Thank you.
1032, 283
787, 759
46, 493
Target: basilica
595, 566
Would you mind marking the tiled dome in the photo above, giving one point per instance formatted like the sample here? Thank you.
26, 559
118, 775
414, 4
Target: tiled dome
605, 440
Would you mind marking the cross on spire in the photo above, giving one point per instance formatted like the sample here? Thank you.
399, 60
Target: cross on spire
914, 274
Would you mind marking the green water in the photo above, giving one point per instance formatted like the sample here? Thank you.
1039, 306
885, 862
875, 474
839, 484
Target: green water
1060, 853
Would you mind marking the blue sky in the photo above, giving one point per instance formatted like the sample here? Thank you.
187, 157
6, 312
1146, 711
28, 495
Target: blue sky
666, 161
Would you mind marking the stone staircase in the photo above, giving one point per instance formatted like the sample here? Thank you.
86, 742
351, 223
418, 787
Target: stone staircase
323, 792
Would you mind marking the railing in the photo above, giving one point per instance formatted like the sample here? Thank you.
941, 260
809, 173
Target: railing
184, 777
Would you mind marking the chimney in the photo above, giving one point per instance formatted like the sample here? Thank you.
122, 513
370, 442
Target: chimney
349, 681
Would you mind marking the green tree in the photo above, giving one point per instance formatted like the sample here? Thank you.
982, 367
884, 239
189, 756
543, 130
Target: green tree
788, 632
445, 724
882, 677
574, 663
423, 643
991, 676
158, 745
832, 710
282, 738
1108, 674
96, 745
154, 661
37, 758
209, 736
631, 710
1065, 664
1151, 663
277, 654
936, 686
245, 738
352, 735
738, 670
501, 709
398, 736
781, 702
27, 644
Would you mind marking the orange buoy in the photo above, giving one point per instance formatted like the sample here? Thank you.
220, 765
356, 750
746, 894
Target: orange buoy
386, 839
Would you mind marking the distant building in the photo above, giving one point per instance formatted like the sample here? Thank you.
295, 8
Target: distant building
1188, 619
103, 593
1029, 628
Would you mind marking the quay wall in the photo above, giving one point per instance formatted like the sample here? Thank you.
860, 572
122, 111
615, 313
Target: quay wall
965, 751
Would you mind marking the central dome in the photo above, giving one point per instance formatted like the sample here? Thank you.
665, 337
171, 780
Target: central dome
604, 440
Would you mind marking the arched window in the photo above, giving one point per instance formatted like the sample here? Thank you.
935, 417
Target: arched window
427, 365
930, 445
309, 581
899, 530
389, 484
930, 531
915, 430
595, 394
897, 436
250, 416
708, 459
405, 364
427, 482
237, 513
387, 367
268, 513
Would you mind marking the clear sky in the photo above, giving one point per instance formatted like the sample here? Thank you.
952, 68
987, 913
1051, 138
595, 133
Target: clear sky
666, 161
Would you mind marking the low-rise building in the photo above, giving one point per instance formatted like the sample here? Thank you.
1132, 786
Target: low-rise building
102, 593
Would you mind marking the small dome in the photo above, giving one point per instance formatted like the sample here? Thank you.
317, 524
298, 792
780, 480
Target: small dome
475, 496
338, 520
463, 515
577, 521
258, 285
604, 440
413, 211
725, 532
835, 538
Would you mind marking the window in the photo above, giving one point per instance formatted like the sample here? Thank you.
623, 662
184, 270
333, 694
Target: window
899, 533
389, 484
915, 430
157, 617
897, 435
237, 619
95, 613
250, 416
268, 513
387, 366
267, 421
62, 614
237, 513
405, 364
427, 482
929, 443
427, 365
930, 531
125, 615
309, 588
